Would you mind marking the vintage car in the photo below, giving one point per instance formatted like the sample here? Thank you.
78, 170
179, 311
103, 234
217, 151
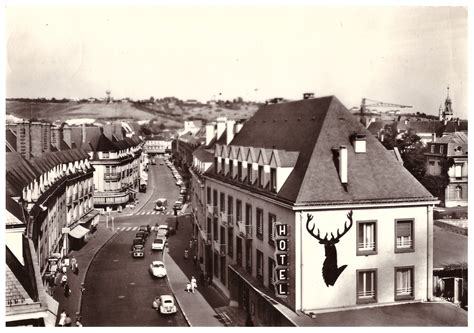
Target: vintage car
164, 304
138, 251
137, 241
146, 229
159, 243
157, 269
161, 204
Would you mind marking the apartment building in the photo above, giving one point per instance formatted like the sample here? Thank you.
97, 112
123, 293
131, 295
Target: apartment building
56, 190
117, 175
450, 148
307, 212
157, 144
33, 138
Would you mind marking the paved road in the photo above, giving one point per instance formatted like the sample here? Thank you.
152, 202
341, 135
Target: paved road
119, 289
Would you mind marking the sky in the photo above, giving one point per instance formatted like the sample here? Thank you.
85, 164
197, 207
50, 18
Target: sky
402, 55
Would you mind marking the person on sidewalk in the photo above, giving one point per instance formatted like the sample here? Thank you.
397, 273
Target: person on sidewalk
83, 288
195, 260
68, 321
63, 280
191, 244
67, 290
62, 318
193, 284
188, 287
186, 254
78, 320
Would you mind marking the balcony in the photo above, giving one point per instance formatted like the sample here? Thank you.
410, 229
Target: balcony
68, 200
223, 217
111, 176
211, 210
220, 248
245, 230
230, 220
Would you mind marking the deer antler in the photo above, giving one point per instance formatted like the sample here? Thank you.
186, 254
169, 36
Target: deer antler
333, 239
311, 231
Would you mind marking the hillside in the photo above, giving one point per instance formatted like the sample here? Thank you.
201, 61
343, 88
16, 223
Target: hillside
172, 116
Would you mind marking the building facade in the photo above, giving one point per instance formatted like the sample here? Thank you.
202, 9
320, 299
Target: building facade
307, 213
157, 145
450, 148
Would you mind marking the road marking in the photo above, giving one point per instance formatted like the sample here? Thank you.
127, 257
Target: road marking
148, 213
132, 283
135, 228
129, 228
121, 296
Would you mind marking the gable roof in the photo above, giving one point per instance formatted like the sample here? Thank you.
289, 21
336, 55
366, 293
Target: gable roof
312, 128
104, 144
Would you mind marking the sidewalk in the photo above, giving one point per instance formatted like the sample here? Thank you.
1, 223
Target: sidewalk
84, 257
195, 308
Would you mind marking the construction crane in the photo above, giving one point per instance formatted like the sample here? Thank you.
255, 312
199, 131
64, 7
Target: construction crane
364, 105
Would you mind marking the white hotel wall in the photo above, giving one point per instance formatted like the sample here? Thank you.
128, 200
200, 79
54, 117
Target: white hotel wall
314, 294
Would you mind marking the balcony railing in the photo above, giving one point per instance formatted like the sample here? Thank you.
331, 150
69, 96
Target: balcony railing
230, 220
245, 230
111, 176
212, 210
223, 217
220, 248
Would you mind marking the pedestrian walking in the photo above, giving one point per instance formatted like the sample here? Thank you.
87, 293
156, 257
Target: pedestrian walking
78, 321
63, 280
62, 318
193, 284
67, 290
73, 263
195, 260
191, 244
186, 254
83, 288
195, 243
64, 269
68, 321
188, 287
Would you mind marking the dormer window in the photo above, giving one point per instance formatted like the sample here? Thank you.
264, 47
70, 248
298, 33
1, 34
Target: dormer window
223, 166
216, 164
273, 184
105, 154
260, 175
231, 168
239, 170
249, 173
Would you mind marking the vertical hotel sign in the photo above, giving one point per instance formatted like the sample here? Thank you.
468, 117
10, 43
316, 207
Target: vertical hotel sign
280, 234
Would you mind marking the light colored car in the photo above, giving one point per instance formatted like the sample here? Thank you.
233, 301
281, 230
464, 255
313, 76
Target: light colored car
166, 304
161, 204
179, 182
158, 243
157, 269
162, 230
178, 205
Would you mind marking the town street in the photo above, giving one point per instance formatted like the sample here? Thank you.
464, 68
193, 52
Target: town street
119, 288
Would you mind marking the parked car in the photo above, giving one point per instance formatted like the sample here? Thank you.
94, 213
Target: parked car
162, 232
161, 204
159, 243
141, 234
157, 269
165, 304
146, 229
142, 188
137, 241
138, 251
179, 182
182, 190
178, 205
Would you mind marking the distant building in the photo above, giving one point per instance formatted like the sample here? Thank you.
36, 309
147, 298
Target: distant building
33, 138
157, 144
446, 113
451, 146
298, 184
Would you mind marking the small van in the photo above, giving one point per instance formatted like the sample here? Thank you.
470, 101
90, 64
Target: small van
161, 204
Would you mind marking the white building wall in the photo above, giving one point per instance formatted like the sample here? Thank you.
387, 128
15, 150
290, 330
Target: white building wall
313, 292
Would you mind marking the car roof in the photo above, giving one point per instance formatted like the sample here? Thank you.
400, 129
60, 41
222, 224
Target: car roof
161, 237
138, 246
167, 297
157, 262
161, 199
162, 226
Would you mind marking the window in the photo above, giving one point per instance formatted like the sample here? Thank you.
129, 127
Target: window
458, 193
239, 251
441, 149
260, 176
238, 207
248, 257
105, 154
215, 229
214, 201
248, 215
230, 205
273, 183
366, 238
230, 242
249, 173
216, 163
271, 272
223, 166
260, 266
366, 286
271, 225
432, 148
458, 171
222, 205
259, 224
404, 236
239, 170
404, 283
231, 168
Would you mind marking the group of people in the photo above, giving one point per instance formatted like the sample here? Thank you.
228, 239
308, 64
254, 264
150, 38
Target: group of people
66, 321
192, 285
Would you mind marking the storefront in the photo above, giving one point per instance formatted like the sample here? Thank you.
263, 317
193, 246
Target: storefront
256, 300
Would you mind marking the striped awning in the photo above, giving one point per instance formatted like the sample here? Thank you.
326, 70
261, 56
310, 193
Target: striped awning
78, 232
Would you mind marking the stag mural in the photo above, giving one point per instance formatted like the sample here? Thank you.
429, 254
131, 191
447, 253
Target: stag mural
331, 271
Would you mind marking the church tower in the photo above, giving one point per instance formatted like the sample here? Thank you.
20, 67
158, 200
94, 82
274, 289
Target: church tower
448, 114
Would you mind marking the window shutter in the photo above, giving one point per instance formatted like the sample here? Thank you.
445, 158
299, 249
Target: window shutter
404, 229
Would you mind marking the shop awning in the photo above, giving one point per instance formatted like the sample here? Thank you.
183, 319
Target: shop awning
78, 232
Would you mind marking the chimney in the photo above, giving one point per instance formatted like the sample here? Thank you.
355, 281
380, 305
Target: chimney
359, 143
406, 121
433, 137
210, 133
308, 95
83, 133
343, 164
220, 127
459, 122
230, 131
67, 135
